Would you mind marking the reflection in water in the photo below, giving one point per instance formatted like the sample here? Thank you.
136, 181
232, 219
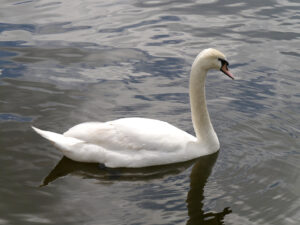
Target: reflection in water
199, 175
96, 171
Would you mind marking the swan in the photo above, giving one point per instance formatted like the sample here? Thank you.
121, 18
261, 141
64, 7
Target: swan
142, 142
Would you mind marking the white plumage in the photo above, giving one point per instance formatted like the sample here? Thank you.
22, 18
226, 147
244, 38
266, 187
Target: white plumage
141, 142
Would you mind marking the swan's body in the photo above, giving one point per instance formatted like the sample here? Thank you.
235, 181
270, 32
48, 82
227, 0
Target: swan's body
140, 142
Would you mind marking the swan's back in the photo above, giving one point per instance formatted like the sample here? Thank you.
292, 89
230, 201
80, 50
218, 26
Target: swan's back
132, 134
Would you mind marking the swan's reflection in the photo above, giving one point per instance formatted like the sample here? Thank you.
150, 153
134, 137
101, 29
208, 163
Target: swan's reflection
93, 170
199, 176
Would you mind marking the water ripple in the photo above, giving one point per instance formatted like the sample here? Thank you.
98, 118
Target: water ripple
65, 62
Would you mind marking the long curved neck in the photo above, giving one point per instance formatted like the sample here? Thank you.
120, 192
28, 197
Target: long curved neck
201, 121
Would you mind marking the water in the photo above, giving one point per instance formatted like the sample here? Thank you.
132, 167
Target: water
65, 62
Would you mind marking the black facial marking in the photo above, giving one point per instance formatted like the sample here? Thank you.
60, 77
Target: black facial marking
223, 61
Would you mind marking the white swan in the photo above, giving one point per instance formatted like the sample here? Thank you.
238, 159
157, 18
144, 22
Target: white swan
140, 142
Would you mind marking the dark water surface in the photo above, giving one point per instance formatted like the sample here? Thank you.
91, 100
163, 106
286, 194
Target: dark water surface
65, 62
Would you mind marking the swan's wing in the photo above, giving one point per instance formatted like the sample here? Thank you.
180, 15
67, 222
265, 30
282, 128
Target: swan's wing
132, 134
101, 134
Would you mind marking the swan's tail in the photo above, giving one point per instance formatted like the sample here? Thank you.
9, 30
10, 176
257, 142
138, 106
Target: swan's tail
74, 148
58, 140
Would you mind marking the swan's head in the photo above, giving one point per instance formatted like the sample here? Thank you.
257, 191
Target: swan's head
212, 59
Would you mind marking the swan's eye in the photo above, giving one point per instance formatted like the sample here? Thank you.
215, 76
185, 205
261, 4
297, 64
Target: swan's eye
223, 61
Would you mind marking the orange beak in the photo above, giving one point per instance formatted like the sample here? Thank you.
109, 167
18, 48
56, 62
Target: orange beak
225, 70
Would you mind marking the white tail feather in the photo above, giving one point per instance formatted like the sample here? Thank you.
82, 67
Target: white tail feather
57, 139
74, 148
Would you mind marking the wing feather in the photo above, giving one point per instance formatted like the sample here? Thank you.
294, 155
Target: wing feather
131, 134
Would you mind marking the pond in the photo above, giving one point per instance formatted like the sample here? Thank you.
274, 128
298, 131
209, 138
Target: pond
66, 62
